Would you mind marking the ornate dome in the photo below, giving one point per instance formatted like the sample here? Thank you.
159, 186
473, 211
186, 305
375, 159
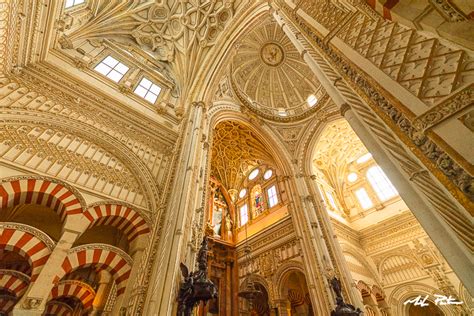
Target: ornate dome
269, 72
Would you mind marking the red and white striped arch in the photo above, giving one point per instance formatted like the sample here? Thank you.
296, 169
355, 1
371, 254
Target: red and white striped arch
7, 303
112, 259
55, 308
13, 282
80, 290
43, 192
27, 245
124, 218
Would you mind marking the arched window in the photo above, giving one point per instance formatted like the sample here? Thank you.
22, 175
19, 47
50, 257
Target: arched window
364, 199
272, 196
380, 183
244, 215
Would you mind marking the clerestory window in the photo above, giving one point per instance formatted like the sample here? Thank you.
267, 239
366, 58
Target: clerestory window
380, 183
148, 90
73, 3
111, 68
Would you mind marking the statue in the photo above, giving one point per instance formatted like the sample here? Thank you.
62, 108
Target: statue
342, 309
195, 286
229, 224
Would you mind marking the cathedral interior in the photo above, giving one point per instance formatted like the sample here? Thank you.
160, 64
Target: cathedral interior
306, 141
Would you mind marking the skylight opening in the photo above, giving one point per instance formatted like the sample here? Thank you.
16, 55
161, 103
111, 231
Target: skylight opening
364, 199
242, 193
148, 90
312, 100
253, 174
381, 184
73, 3
111, 68
364, 158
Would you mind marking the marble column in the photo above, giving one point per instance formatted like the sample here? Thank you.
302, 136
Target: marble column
102, 292
34, 300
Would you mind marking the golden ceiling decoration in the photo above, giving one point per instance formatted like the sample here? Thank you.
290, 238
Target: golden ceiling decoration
235, 151
269, 70
337, 147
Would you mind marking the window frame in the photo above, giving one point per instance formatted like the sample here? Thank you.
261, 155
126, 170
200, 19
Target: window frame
148, 90
74, 5
102, 62
269, 197
240, 214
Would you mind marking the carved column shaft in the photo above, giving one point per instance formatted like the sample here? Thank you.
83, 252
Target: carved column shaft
40, 289
313, 248
430, 202
162, 289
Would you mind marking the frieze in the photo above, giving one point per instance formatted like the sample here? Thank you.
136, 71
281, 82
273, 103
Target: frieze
444, 110
448, 10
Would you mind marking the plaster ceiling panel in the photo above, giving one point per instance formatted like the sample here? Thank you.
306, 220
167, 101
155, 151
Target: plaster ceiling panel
235, 151
268, 69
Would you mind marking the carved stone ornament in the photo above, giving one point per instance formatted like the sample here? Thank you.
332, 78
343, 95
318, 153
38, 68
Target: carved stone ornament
32, 302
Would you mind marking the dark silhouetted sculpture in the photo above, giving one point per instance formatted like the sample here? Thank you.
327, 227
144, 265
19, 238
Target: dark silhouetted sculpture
195, 287
342, 309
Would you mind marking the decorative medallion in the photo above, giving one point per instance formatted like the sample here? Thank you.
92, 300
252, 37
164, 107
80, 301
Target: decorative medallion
272, 54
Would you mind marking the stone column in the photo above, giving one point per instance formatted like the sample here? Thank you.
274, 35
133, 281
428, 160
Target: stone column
438, 230
412, 192
102, 292
34, 300
284, 307
314, 250
228, 287
182, 202
136, 252
325, 229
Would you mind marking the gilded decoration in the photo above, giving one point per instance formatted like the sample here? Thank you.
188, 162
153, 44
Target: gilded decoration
235, 151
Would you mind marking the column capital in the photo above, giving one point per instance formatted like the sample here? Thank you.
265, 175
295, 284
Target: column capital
344, 108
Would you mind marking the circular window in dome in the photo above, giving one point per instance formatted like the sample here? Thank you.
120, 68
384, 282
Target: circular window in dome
352, 177
312, 100
242, 193
253, 174
268, 174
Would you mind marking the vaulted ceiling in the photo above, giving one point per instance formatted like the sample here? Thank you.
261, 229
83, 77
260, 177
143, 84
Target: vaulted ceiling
269, 70
235, 151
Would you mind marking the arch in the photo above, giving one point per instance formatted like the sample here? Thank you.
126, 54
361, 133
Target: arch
121, 216
57, 309
260, 280
411, 290
230, 111
353, 252
151, 189
107, 257
29, 242
46, 191
283, 272
80, 290
14, 282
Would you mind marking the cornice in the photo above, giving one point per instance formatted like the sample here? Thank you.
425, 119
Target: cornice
57, 79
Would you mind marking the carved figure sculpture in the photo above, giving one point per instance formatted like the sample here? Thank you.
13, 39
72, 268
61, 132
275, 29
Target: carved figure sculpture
195, 287
342, 309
